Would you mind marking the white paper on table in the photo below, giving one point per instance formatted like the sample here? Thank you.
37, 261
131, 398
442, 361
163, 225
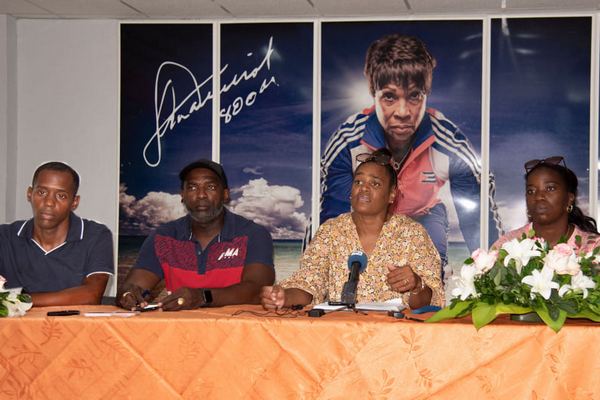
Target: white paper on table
327, 307
389, 305
121, 314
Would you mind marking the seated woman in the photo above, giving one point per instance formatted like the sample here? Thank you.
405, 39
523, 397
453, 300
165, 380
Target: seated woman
551, 196
402, 260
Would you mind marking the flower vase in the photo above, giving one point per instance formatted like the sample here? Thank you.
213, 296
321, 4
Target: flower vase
531, 317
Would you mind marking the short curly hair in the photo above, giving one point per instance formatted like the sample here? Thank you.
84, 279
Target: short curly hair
399, 59
60, 167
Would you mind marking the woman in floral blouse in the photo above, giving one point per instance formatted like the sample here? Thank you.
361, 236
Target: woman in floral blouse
402, 260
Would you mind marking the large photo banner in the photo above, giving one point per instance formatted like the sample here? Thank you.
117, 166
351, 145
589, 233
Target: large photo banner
432, 125
540, 103
265, 120
265, 126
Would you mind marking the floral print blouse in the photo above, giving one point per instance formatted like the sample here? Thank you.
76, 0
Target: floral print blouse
402, 241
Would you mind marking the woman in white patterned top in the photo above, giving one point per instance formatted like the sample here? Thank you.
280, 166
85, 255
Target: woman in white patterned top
402, 260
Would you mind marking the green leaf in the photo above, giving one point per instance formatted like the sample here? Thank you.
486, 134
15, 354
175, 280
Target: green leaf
24, 298
554, 324
570, 306
586, 314
553, 311
483, 314
450, 311
502, 308
498, 277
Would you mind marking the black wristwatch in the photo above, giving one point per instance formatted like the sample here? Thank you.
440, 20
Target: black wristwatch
207, 298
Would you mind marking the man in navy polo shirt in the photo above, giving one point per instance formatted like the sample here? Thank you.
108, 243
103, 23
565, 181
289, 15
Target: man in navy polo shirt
210, 257
56, 256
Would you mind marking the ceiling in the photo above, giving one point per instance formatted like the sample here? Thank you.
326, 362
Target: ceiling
230, 9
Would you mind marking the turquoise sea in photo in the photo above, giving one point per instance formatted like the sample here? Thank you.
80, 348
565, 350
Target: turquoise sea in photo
287, 257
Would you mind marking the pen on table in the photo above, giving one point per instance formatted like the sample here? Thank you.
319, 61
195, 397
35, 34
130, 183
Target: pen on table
413, 318
62, 313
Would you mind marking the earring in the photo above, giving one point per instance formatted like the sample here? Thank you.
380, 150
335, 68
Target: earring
570, 208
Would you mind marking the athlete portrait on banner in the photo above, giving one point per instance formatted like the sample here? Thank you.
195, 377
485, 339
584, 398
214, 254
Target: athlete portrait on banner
438, 169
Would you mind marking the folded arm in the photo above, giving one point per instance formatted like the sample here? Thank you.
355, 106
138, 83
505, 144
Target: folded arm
254, 277
90, 292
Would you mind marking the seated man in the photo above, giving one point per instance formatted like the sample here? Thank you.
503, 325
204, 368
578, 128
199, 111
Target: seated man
56, 256
210, 257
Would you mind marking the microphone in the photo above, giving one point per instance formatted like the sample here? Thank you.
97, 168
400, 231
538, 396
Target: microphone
357, 263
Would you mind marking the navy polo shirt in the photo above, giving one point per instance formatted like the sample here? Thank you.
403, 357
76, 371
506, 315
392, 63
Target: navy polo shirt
87, 250
173, 253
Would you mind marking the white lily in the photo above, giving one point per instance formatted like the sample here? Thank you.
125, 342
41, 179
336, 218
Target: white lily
520, 251
541, 282
15, 307
464, 285
579, 282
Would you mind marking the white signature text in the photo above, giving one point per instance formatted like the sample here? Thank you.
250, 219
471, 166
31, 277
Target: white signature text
169, 110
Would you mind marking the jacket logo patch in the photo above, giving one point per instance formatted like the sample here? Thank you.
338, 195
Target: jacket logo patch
229, 253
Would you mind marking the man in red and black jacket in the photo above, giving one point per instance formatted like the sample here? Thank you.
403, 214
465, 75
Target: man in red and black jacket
210, 257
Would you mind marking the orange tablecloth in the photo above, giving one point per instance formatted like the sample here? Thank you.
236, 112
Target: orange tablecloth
212, 354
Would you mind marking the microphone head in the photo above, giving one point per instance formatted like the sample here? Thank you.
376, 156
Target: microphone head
357, 257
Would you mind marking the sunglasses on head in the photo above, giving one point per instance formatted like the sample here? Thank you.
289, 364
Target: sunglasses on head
381, 159
555, 160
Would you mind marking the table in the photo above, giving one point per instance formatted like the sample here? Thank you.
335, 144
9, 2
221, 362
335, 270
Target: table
210, 354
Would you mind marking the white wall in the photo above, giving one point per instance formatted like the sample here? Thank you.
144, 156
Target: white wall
68, 109
4, 40
8, 116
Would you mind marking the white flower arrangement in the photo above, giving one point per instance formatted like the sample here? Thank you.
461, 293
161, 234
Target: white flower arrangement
12, 302
526, 275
